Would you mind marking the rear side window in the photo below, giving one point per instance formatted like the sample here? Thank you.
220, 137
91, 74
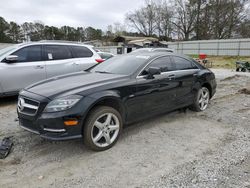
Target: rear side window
81, 51
29, 54
183, 64
164, 63
57, 52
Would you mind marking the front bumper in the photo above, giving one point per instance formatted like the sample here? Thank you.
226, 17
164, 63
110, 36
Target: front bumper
46, 129
51, 125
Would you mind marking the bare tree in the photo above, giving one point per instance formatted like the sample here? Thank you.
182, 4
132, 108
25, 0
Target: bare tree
144, 19
226, 15
185, 18
164, 15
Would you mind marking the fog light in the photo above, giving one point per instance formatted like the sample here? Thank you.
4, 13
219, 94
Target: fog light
70, 122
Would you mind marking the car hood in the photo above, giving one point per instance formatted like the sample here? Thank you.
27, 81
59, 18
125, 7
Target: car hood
77, 83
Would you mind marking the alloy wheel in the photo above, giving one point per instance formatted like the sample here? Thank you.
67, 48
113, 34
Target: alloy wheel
204, 98
105, 130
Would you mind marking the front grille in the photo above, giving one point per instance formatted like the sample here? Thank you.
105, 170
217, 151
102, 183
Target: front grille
27, 106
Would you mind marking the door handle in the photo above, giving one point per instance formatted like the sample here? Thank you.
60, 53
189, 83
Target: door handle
76, 63
171, 76
39, 67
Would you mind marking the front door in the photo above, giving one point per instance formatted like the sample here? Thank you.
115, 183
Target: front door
28, 69
155, 95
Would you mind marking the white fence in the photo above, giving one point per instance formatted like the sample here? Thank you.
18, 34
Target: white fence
230, 47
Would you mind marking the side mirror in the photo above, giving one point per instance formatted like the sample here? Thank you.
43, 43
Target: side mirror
11, 58
153, 71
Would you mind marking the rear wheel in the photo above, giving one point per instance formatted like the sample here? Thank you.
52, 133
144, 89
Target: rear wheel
201, 100
102, 128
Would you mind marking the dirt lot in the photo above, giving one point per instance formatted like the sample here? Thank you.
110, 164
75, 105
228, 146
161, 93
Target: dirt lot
207, 149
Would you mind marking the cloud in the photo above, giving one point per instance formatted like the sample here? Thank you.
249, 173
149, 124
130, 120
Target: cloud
95, 13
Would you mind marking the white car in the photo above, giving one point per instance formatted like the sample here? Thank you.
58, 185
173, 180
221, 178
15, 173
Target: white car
27, 63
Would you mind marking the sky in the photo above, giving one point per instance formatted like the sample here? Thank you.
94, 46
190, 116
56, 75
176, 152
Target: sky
95, 13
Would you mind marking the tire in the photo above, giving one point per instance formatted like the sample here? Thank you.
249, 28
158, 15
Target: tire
201, 100
102, 128
237, 69
243, 70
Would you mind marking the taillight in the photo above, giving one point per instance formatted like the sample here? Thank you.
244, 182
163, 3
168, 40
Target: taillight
99, 60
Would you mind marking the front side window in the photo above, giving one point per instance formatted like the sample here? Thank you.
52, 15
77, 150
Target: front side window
29, 54
164, 63
57, 52
81, 51
183, 64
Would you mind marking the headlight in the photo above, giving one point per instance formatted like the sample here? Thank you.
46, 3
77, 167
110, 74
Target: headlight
62, 103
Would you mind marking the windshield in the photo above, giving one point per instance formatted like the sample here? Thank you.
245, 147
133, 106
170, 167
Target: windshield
121, 64
6, 50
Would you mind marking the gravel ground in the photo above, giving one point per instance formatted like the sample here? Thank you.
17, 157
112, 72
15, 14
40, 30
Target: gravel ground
179, 149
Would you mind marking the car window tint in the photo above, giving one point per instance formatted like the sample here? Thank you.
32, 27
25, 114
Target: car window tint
57, 52
164, 63
81, 51
29, 54
183, 64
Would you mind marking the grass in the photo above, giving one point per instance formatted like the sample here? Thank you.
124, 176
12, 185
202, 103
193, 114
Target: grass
227, 62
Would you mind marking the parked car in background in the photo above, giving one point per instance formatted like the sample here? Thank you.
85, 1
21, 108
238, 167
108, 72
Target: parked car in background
105, 55
24, 64
95, 105
153, 50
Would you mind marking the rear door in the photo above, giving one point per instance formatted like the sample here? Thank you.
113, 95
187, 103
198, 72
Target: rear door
28, 69
185, 74
59, 60
84, 58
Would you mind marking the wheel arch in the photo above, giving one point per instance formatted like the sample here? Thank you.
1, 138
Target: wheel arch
209, 87
111, 99
199, 85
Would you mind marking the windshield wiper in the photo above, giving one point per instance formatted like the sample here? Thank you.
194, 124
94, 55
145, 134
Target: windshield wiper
105, 72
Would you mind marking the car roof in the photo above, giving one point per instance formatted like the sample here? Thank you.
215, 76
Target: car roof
153, 49
105, 53
150, 53
154, 54
53, 42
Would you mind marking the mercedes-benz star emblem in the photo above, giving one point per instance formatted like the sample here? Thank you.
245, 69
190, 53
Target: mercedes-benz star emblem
21, 104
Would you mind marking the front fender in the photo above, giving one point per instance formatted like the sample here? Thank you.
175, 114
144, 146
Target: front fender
108, 93
91, 100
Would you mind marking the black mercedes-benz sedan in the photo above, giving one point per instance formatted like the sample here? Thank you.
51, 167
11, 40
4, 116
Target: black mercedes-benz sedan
95, 104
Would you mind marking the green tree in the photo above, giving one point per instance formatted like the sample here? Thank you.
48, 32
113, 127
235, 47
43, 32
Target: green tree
93, 34
15, 32
4, 26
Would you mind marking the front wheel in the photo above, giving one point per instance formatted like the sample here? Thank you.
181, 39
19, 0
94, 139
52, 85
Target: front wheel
102, 128
201, 100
